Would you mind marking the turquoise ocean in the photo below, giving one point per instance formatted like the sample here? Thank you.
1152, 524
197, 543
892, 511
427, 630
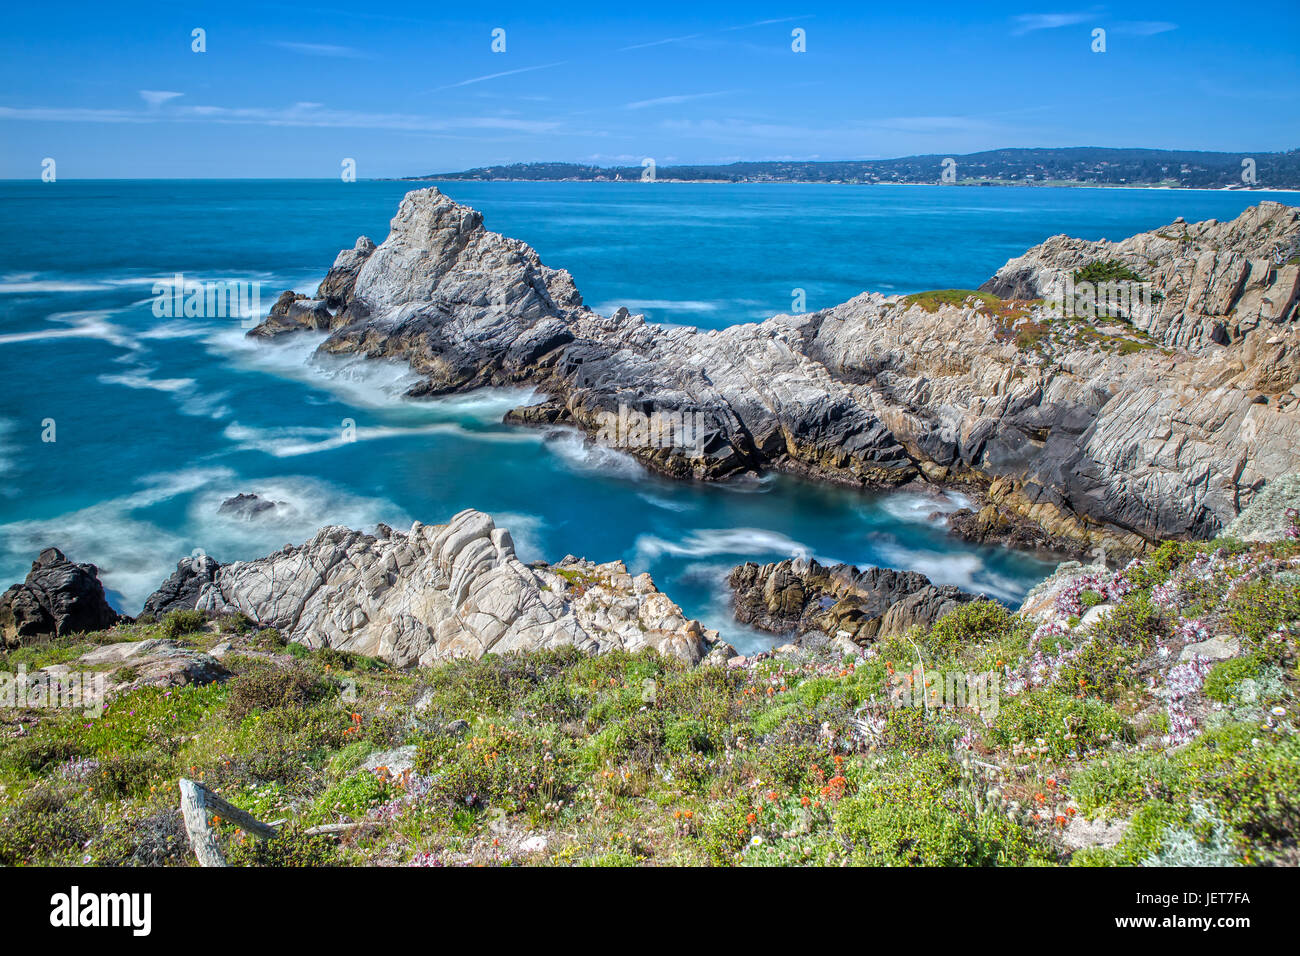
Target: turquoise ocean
156, 420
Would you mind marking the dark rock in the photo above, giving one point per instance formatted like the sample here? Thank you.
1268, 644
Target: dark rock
336, 288
57, 598
180, 592
249, 506
804, 597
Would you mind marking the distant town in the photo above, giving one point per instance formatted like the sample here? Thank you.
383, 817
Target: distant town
1075, 166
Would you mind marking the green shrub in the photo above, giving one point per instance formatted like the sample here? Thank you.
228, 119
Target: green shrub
1261, 606
179, 623
1135, 622
912, 817
268, 688
354, 796
1225, 676
969, 624
289, 847
1102, 668
47, 827
1066, 725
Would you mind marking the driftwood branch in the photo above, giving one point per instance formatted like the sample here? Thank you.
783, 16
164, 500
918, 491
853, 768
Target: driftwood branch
195, 810
198, 802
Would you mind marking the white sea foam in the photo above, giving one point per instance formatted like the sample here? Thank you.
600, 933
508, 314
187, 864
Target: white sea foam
666, 503
719, 613
360, 381
962, 569
140, 378
917, 508
134, 555
525, 530
581, 455
672, 305
707, 542
91, 324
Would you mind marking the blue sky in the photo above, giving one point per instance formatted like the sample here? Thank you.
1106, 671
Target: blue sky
288, 90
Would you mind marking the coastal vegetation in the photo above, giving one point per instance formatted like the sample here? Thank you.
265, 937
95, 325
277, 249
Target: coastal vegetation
1144, 716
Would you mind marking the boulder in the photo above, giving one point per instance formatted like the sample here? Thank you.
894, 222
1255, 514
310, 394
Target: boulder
58, 597
804, 597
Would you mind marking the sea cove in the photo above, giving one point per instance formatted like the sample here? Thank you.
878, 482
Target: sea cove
179, 414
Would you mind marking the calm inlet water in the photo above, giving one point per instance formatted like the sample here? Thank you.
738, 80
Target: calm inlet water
158, 420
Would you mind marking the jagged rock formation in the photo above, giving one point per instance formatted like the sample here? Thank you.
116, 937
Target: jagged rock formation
1112, 432
802, 596
445, 591
1217, 281
181, 591
58, 597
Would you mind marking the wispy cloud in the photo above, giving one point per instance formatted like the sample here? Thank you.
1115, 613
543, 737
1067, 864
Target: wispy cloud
493, 76
298, 115
1029, 22
697, 36
642, 46
321, 49
156, 98
932, 124
1144, 28
672, 100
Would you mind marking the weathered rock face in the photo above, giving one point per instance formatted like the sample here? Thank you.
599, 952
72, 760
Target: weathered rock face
1217, 281
1112, 432
454, 590
1271, 513
181, 591
802, 595
58, 597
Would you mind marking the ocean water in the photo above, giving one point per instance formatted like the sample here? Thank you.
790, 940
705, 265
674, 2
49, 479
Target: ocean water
157, 420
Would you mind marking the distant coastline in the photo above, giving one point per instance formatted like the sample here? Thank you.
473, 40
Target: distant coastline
816, 182
1071, 167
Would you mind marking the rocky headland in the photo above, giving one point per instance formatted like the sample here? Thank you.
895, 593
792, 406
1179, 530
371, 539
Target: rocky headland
1159, 417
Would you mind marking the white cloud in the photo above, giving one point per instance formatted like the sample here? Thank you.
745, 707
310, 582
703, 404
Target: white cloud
1144, 28
321, 49
298, 115
493, 76
156, 98
671, 100
1029, 22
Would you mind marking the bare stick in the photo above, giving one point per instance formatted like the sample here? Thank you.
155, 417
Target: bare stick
202, 839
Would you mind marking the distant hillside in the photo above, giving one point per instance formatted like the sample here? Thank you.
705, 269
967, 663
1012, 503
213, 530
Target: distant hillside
1083, 165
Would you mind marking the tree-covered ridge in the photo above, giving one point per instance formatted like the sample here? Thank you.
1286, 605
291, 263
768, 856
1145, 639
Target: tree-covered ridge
1075, 165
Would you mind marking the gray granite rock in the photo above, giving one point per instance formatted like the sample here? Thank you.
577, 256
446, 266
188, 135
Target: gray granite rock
447, 591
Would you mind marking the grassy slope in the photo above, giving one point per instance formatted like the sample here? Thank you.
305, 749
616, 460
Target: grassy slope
627, 759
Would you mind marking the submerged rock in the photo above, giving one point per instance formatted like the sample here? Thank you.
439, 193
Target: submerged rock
446, 591
250, 507
57, 598
1162, 420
